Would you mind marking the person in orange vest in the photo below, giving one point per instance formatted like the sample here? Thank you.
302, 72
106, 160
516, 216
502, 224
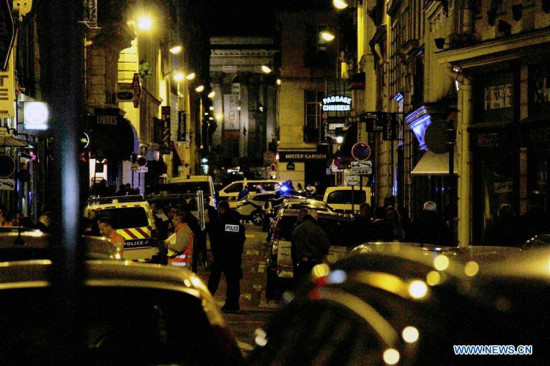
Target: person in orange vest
106, 229
180, 244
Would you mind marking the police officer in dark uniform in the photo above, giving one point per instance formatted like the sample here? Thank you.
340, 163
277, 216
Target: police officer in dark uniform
227, 238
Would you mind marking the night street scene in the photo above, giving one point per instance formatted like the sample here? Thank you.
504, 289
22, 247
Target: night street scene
275, 182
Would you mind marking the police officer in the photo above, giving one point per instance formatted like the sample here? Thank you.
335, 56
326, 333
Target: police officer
227, 238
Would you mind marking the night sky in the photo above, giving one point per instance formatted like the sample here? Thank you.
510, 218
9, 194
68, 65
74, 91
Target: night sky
252, 17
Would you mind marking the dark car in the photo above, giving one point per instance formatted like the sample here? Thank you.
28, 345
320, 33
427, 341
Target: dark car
280, 268
125, 313
415, 306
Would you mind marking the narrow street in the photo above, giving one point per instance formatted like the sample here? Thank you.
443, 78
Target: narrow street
255, 310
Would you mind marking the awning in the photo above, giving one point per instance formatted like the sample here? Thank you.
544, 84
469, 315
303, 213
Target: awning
111, 135
434, 164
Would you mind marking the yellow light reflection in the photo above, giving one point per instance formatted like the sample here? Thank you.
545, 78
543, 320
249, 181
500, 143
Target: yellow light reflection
418, 289
471, 268
441, 262
410, 334
433, 278
391, 356
219, 116
279, 81
383, 281
320, 270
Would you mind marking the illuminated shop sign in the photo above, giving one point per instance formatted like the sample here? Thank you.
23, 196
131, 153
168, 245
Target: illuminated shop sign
336, 103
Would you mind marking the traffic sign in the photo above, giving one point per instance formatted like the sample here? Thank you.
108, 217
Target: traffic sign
351, 178
7, 32
361, 167
136, 89
360, 151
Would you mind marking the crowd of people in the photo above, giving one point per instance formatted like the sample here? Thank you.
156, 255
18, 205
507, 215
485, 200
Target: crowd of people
185, 241
390, 223
18, 219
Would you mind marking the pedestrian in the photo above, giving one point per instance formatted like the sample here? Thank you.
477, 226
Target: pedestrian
362, 224
535, 220
502, 230
301, 215
392, 216
243, 193
106, 229
195, 227
382, 229
227, 240
429, 227
167, 228
310, 245
180, 243
91, 223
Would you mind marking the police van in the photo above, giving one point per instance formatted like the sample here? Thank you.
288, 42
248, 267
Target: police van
132, 218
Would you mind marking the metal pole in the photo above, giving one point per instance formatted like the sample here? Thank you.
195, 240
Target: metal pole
61, 59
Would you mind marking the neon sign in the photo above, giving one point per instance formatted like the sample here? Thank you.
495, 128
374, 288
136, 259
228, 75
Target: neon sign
336, 103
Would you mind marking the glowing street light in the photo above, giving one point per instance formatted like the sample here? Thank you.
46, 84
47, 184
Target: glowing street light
266, 69
190, 76
178, 76
212, 94
327, 36
199, 89
340, 4
144, 22
176, 49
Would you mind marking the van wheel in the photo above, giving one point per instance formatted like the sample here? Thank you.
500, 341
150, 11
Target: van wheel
256, 218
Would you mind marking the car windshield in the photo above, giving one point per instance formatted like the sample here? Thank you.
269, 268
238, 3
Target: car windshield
345, 197
120, 325
125, 217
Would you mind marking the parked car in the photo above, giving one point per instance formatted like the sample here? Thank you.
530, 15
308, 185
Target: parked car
252, 207
232, 190
34, 244
124, 313
131, 217
280, 267
407, 306
188, 184
347, 199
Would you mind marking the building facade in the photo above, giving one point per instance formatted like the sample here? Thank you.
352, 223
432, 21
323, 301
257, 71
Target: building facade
468, 79
244, 103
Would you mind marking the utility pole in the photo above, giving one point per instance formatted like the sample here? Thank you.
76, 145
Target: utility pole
61, 55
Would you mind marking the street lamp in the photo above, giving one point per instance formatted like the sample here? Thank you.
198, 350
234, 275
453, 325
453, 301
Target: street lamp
199, 89
340, 4
266, 69
327, 35
175, 50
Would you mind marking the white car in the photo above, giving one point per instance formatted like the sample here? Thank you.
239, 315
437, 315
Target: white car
252, 207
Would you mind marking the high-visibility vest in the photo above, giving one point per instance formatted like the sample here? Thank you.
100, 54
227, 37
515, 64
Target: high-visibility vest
184, 259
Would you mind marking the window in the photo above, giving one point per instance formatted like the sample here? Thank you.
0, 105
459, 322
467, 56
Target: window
312, 114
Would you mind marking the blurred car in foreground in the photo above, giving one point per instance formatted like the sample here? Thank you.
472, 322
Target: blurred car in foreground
33, 244
280, 267
126, 313
406, 306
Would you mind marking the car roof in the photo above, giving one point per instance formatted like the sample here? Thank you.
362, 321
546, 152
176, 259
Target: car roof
114, 274
35, 245
117, 202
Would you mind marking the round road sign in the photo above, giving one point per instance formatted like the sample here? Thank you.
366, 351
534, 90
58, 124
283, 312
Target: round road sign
351, 178
360, 151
